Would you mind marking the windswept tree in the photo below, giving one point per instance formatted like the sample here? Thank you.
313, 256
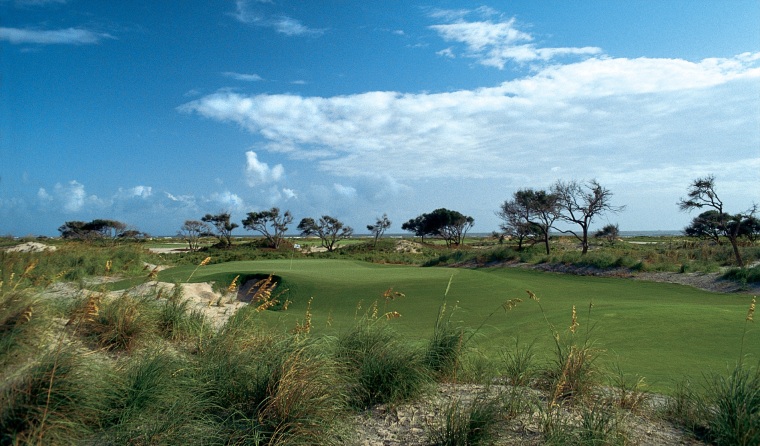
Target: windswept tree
192, 231
98, 229
529, 215
417, 226
73, 230
610, 232
330, 230
451, 226
580, 203
223, 226
378, 229
271, 224
715, 222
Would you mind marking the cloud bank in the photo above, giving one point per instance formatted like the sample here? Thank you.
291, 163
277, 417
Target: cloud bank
614, 113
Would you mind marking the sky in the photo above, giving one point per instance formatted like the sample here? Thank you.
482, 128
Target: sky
157, 112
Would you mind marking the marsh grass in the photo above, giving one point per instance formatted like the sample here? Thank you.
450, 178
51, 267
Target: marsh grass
444, 349
382, 367
121, 323
732, 407
23, 321
519, 364
628, 391
55, 400
468, 423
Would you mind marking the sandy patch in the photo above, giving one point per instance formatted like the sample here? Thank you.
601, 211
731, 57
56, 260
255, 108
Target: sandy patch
31, 247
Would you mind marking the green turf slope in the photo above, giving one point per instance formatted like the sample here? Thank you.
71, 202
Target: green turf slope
660, 331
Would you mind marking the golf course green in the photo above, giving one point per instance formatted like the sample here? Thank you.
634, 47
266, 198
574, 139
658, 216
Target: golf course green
662, 332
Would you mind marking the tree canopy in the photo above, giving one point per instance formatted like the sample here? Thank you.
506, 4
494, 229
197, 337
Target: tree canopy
224, 227
529, 215
716, 223
378, 229
271, 224
580, 203
330, 230
98, 229
451, 226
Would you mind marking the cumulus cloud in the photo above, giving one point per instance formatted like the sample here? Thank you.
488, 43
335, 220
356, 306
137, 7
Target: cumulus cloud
258, 172
599, 114
496, 43
70, 197
141, 192
228, 201
67, 36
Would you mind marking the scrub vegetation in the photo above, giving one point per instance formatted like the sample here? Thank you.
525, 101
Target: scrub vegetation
102, 344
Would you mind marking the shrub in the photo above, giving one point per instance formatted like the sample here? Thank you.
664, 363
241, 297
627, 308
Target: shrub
744, 275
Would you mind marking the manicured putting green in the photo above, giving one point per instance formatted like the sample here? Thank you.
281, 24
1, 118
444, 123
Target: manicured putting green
663, 332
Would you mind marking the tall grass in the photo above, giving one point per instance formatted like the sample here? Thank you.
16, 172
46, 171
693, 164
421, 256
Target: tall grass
468, 424
381, 366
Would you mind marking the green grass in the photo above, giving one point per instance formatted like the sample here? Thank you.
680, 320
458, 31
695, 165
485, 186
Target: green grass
659, 331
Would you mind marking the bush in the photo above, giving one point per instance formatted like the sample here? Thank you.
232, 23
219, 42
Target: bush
744, 275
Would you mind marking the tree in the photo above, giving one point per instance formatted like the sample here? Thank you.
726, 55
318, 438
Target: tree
378, 229
221, 222
417, 227
330, 230
701, 194
707, 225
73, 230
192, 231
529, 216
102, 229
451, 226
261, 221
610, 232
580, 203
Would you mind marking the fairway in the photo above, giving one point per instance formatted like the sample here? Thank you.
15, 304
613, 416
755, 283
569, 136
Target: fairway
660, 331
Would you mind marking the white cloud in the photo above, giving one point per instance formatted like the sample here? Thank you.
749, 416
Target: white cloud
70, 198
228, 201
496, 43
289, 193
25, 3
258, 172
142, 192
344, 191
282, 24
69, 36
292, 27
446, 52
242, 76
601, 114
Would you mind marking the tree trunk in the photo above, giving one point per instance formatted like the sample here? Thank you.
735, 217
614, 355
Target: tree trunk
737, 254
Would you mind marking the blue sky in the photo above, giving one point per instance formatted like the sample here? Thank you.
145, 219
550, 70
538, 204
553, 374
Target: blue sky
155, 112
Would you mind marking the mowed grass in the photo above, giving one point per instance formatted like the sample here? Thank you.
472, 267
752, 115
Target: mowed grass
663, 332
